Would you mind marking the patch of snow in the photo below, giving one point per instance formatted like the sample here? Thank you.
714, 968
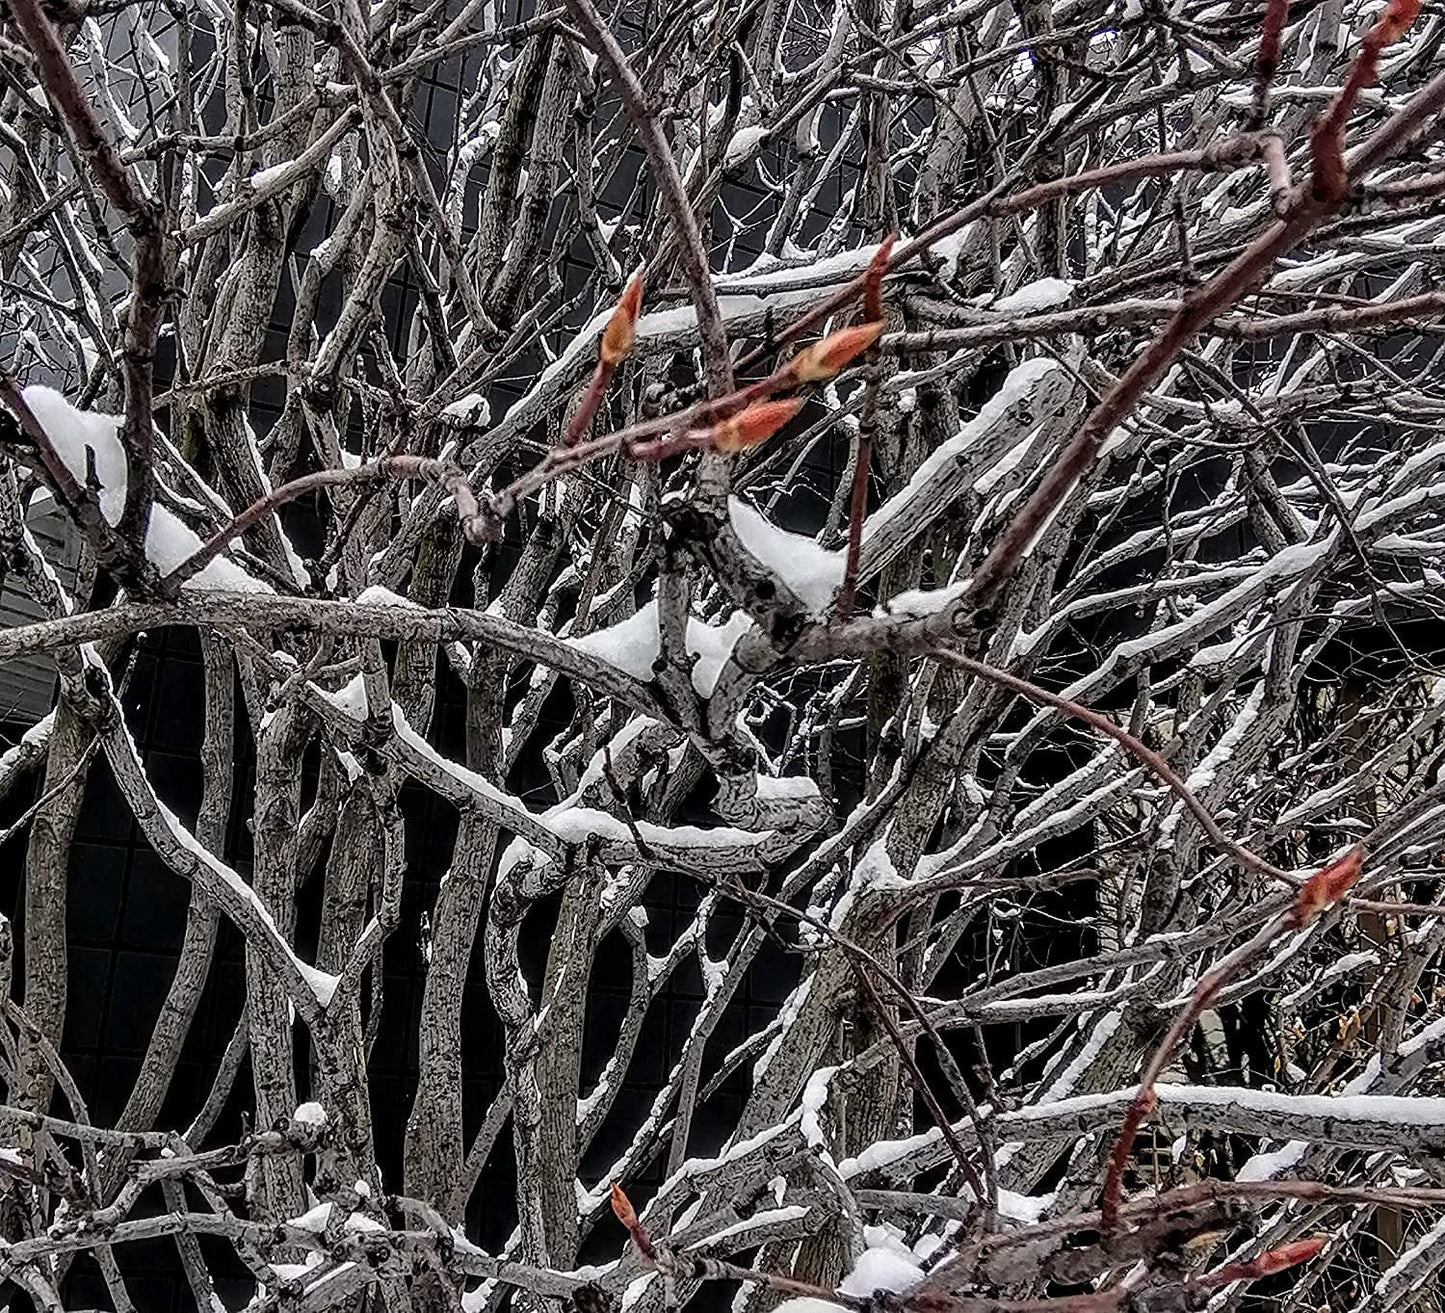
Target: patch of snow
634, 645
743, 144
376, 595
796, 788
350, 698
1064, 1084
882, 1268
473, 408
266, 178
815, 1096
635, 1290
321, 983
82, 438
310, 1114
314, 1220
1024, 1207
920, 603
809, 571
713, 645
767, 1217
1032, 298
948, 249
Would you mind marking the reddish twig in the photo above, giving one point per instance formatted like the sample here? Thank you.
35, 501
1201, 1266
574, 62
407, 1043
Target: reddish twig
1201, 308
920, 1083
476, 522
1232, 153
1266, 64
867, 424
1329, 178
1321, 890
1135, 747
612, 350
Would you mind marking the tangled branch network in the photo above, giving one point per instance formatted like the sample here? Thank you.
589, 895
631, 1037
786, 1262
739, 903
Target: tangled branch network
948, 494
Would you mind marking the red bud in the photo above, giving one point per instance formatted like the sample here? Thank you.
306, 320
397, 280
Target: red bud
622, 1207
1326, 887
1397, 16
1275, 1260
824, 359
1290, 1255
756, 424
621, 329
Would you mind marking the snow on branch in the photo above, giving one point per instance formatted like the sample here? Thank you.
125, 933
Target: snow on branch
824, 634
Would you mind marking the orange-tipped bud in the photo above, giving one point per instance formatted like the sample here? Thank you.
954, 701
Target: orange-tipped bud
618, 336
1326, 887
1276, 1260
1397, 16
1290, 1255
756, 424
622, 1207
873, 279
824, 359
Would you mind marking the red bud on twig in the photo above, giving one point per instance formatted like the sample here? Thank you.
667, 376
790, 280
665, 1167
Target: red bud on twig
622, 1207
621, 330
1326, 887
756, 424
1398, 15
627, 1215
1276, 1260
617, 339
823, 360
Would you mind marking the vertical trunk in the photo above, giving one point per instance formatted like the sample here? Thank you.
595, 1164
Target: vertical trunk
278, 1186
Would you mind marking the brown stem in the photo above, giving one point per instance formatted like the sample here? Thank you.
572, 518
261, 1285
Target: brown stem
1266, 63
451, 477
1170, 777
